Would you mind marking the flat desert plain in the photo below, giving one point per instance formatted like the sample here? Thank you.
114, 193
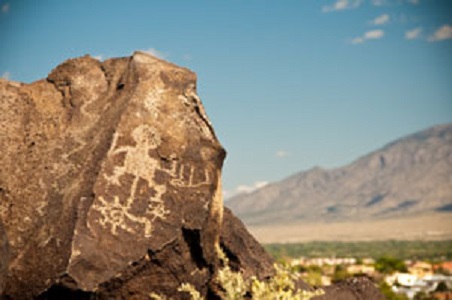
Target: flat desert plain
435, 226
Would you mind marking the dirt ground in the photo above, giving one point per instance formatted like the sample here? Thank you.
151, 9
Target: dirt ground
436, 226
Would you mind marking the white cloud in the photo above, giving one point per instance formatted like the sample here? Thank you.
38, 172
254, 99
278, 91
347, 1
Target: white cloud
374, 34
369, 35
381, 20
244, 189
281, 153
5, 8
341, 5
260, 184
99, 57
358, 40
250, 188
443, 33
6, 75
413, 33
394, 2
156, 53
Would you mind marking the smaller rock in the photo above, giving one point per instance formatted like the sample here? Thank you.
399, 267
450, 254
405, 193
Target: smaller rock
356, 288
242, 249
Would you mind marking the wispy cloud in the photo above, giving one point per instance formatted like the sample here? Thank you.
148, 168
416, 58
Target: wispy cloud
374, 34
244, 189
369, 35
250, 188
381, 20
99, 57
281, 153
441, 34
6, 75
341, 5
394, 2
5, 8
357, 40
413, 33
156, 53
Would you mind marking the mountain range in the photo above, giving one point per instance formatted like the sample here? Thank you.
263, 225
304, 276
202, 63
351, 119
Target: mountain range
409, 177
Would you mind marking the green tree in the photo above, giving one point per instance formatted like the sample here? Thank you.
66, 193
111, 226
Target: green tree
388, 265
340, 273
423, 296
442, 287
389, 293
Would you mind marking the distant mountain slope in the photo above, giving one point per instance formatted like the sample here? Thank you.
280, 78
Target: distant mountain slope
410, 176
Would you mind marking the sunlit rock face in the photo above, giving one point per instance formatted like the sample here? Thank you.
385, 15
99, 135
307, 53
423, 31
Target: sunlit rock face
110, 182
110, 187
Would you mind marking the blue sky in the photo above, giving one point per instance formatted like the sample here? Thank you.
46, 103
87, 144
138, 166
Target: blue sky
288, 85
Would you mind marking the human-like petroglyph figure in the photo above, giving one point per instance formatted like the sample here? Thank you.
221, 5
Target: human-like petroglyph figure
137, 159
117, 213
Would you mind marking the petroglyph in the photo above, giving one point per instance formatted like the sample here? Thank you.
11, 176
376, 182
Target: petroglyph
178, 179
137, 161
116, 214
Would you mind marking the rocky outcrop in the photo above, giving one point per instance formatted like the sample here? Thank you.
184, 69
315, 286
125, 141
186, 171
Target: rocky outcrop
111, 184
356, 288
244, 253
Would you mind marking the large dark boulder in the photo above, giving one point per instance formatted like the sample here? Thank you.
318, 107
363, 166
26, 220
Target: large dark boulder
110, 186
111, 183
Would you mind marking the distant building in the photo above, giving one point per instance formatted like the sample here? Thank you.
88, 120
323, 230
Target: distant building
410, 285
361, 269
368, 261
420, 269
442, 295
445, 267
436, 279
401, 279
326, 280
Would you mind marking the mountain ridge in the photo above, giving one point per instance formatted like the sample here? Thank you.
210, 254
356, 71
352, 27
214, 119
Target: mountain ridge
408, 176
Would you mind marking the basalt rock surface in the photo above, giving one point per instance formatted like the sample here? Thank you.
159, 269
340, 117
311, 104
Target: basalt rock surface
110, 186
356, 288
110, 183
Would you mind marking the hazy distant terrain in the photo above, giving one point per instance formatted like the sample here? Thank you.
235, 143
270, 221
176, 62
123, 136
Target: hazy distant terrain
426, 227
400, 184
